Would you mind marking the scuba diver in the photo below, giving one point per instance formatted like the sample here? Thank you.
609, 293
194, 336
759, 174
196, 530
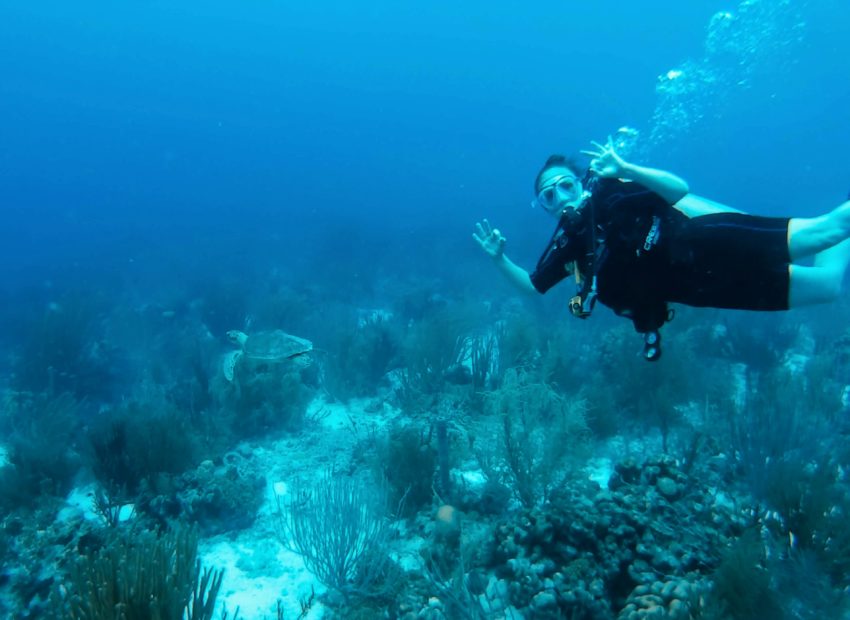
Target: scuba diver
635, 240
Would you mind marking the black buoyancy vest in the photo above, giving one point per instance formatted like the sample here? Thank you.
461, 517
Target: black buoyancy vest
630, 226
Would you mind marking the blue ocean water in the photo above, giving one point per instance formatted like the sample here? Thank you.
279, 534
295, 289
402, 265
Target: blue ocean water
154, 133
170, 171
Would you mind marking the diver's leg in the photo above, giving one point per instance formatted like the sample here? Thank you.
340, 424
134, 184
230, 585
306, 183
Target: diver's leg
809, 236
694, 206
822, 282
835, 259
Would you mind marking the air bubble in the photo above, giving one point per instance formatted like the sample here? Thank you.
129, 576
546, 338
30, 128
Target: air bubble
739, 46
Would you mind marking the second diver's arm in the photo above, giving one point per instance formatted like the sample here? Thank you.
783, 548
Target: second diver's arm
674, 189
670, 187
493, 244
515, 274
607, 163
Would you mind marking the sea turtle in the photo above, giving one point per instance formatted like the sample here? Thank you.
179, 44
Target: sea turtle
270, 347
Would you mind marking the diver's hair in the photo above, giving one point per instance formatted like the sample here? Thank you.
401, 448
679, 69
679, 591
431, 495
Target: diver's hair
558, 161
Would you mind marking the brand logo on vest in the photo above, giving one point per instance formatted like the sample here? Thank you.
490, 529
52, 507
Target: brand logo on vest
653, 234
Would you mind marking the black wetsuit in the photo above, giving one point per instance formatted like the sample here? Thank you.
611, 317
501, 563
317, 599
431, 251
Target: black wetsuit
648, 254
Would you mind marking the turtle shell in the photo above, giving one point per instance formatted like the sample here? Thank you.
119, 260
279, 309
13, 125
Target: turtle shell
276, 346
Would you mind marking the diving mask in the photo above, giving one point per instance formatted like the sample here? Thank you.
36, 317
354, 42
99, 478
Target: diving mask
558, 192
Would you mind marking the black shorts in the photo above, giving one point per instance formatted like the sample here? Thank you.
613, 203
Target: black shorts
731, 260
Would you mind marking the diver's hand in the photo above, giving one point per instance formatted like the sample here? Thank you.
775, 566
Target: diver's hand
490, 239
606, 162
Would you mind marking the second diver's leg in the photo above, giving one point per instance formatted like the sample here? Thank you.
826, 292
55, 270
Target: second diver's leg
695, 206
810, 236
822, 282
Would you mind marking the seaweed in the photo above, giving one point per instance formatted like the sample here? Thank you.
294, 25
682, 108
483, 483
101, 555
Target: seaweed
41, 461
340, 528
360, 353
813, 506
542, 433
742, 585
134, 443
408, 463
518, 339
138, 576
434, 345
776, 423
263, 398
60, 351
805, 587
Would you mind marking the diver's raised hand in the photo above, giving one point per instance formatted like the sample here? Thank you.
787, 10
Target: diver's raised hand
490, 239
606, 162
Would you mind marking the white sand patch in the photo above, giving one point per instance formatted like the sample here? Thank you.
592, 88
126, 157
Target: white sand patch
80, 502
621, 447
599, 470
722, 500
330, 415
259, 571
258, 574
408, 553
475, 478
358, 412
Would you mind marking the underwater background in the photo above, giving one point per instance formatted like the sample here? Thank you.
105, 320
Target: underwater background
252, 363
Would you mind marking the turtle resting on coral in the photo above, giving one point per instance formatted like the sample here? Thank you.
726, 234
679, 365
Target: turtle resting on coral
271, 347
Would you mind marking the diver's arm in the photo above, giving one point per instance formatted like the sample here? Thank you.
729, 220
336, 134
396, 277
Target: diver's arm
607, 163
694, 206
515, 274
666, 184
493, 243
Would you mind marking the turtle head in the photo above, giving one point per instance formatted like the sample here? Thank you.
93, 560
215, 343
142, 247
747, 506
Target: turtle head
237, 337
